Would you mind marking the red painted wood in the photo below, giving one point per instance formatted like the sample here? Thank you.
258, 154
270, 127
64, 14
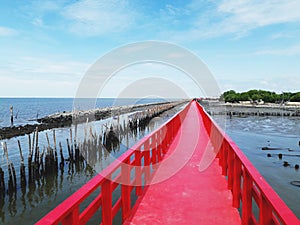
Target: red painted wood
237, 183
265, 213
86, 215
188, 195
126, 201
138, 172
283, 214
106, 202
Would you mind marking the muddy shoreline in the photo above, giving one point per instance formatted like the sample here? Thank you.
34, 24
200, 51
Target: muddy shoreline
66, 119
241, 110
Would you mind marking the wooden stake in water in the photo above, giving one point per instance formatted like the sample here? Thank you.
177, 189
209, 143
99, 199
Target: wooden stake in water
11, 171
54, 140
36, 144
5, 152
2, 184
47, 137
11, 115
33, 142
71, 138
61, 153
69, 150
21, 155
29, 145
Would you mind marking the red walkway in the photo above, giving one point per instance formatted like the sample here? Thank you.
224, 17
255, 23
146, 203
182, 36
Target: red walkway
176, 191
189, 196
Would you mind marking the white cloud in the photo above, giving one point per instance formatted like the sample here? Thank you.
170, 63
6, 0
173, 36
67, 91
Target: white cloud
6, 31
242, 16
151, 72
261, 13
281, 36
44, 68
287, 51
38, 22
235, 17
38, 11
94, 18
27, 87
33, 76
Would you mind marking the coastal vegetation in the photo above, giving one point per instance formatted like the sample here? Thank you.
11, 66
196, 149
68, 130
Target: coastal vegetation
260, 95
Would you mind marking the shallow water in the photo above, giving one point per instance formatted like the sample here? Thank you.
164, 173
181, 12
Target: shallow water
28, 109
253, 133
29, 205
250, 133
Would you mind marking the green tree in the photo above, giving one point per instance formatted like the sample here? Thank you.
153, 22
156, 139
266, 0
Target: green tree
295, 97
244, 96
256, 97
266, 96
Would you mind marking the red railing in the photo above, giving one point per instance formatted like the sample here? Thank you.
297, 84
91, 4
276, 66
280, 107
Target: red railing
131, 171
134, 169
249, 189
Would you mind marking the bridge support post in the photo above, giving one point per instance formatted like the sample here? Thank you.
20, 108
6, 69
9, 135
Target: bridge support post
247, 198
72, 218
106, 202
138, 172
265, 212
237, 182
147, 161
125, 190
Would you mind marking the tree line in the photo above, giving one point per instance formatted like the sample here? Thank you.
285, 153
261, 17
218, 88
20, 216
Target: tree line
260, 95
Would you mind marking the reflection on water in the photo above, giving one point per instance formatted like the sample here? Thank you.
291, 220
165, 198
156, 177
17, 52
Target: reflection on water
62, 162
282, 134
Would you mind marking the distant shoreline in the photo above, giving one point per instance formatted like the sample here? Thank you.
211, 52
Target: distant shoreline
65, 119
215, 107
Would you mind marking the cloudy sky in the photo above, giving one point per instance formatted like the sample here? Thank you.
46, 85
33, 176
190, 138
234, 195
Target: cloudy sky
47, 46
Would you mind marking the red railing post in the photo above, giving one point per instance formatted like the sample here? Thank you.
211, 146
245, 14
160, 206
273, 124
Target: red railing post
265, 211
237, 171
230, 159
220, 155
126, 201
158, 149
160, 146
154, 150
247, 198
72, 217
106, 202
224, 158
172, 130
147, 161
169, 134
164, 140
138, 171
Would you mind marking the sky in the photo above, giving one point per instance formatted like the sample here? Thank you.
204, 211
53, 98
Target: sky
47, 46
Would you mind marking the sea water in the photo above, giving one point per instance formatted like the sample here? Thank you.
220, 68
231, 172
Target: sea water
29, 205
28, 110
253, 133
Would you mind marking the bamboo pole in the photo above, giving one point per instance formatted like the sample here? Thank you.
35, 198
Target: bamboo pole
20, 149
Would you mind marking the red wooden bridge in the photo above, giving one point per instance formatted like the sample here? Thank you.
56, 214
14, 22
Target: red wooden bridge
161, 182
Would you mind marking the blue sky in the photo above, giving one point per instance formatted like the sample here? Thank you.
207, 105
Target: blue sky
47, 46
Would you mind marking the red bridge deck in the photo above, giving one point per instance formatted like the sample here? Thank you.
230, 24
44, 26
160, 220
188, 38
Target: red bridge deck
163, 172
189, 196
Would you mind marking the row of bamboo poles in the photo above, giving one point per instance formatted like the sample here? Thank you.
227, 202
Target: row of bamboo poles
47, 161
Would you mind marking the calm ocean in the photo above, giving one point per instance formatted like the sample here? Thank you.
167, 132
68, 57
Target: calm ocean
27, 109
